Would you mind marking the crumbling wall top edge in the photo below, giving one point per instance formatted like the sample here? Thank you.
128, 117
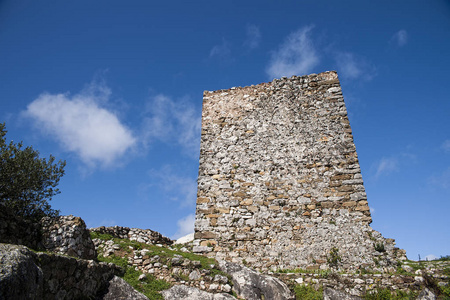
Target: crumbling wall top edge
327, 75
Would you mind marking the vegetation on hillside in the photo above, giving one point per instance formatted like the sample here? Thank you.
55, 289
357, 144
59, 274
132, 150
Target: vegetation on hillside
150, 286
27, 182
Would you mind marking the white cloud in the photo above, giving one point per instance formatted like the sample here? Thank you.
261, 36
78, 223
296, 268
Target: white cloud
431, 257
253, 37
372, 210
400, 38
221, 51
173, 121
386, 166
185, 226
296, 56
351, 66
176, 187
82, 126
446, 146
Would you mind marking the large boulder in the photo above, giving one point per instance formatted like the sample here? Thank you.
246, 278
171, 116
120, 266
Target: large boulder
184, 292
332, 294
251, 285
119, 289
28, 275
426, 294
20, 277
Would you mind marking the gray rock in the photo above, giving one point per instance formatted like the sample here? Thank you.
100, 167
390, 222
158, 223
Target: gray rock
426, 294
332, 294
250, 285
20, 277
119, 289
220, 278
183, 292
194, 275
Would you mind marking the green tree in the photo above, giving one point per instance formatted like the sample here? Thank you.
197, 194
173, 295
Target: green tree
27, 182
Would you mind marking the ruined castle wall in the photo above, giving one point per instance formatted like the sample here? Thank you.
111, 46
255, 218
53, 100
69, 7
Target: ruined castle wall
279, 181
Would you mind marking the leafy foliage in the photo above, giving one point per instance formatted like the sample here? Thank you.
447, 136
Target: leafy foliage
333, 257
27, 182
386, 294
307, 292
379, 247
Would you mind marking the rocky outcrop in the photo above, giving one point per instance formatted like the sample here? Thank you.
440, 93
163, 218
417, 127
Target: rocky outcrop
71, 278
184, 292
67, 235
146, 236
426, 294
119, 289
20, 277
28, 275
251, 285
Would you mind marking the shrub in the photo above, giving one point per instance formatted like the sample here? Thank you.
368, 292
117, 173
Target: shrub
379, 247
27, 182
307, 292
333, 257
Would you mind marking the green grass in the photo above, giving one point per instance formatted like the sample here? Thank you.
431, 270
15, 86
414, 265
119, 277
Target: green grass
162, 252
307, 292
150, 286
322, 273
102, 236
386, 294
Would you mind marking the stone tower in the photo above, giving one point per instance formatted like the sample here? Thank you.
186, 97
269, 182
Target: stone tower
279, 184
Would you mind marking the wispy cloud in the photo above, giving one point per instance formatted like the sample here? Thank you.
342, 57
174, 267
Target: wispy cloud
81, 125
221, 51
173, 121
442, 180
431, 257
352, 66
386, 166
400, 38
185, 226
446, 146
177, 188
253, 37
296, 56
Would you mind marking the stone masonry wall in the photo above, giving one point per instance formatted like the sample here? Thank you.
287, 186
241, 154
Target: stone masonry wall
67, 235
134, 234
63, 234
279, 181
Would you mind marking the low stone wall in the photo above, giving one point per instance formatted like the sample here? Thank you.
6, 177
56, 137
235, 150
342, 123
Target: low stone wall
359, 284
174, 270
64, 234
67, 235
70, 278
146, 236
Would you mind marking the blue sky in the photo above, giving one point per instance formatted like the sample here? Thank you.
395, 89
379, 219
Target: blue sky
115, 89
